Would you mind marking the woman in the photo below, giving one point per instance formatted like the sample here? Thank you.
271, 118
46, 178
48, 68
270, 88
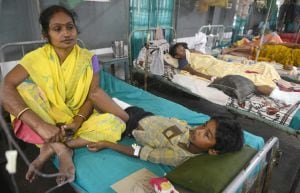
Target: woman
61, 88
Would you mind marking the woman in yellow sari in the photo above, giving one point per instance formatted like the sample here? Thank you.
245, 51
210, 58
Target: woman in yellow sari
57, 84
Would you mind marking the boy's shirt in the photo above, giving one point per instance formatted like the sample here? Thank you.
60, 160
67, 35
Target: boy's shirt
164, 140
182, 63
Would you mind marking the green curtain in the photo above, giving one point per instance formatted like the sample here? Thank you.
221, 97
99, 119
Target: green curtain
273, 14
149, 14
238, 28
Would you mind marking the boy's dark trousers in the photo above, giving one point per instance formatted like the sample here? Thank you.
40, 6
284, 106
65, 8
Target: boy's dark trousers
135, 115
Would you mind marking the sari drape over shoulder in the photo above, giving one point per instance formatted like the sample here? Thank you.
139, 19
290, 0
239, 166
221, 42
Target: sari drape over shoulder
57, 91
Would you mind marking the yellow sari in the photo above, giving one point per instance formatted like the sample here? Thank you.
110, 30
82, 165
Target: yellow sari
59, 90
281, 54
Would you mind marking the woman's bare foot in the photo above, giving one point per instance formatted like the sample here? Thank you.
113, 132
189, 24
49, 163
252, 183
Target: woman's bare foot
66, 165
45, 153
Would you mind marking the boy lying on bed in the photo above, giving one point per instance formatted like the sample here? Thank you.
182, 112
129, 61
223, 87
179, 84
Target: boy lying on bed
208, 67
171, 141
263, 75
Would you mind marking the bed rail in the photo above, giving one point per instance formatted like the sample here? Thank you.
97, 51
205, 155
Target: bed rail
25, 43
30, 45
214, 33
268, 154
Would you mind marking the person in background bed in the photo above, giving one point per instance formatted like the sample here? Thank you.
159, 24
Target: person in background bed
171, 141
61, 88
208, 67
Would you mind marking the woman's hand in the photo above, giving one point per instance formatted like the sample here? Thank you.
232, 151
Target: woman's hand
50, 133
71, 128
74, 126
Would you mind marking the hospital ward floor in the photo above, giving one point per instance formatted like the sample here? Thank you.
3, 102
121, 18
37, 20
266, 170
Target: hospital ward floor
285, 176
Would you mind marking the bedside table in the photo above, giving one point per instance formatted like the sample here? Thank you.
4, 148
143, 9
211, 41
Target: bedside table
108, 61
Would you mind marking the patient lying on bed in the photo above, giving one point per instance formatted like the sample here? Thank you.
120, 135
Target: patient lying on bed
171, 141
208, 67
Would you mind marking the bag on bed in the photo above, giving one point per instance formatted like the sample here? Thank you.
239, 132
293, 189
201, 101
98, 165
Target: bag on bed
234, 86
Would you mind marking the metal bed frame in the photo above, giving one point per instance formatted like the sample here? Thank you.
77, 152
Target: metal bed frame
265, 159
25, 47
214, 33
207, 29
270, 155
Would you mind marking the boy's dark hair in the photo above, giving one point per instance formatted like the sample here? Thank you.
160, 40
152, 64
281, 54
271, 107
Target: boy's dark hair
229, 135
173, 48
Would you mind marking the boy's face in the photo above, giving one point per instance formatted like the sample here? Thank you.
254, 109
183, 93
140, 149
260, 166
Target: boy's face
204, 136
180, 52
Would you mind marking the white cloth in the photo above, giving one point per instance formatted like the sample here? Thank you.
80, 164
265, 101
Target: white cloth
289, 98
200, 88
159, 35
159, 48
157, 65
155, 53
142, 58
200, 42
122, 104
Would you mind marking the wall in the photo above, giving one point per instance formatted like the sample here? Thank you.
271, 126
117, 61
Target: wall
189, 20
99, 22
15, 21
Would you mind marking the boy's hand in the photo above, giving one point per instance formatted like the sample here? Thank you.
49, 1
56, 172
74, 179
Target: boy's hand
72, 127
99, 145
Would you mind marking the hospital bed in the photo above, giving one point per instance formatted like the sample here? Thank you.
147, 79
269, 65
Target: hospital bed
286, 118
96, 172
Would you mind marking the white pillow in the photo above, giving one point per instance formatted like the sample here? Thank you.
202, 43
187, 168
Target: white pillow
170, 60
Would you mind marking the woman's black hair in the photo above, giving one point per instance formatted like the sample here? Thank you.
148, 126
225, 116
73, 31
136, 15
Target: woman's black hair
173, 48
229, 135
47, 14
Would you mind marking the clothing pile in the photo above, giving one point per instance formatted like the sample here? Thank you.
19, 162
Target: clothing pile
151, 56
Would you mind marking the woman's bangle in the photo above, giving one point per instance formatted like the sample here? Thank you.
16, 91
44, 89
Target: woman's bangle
21, 112
82, 116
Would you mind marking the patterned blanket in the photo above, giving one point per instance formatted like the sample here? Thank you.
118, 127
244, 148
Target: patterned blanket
267, 108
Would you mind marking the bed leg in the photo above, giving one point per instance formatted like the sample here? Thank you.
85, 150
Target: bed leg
273, 161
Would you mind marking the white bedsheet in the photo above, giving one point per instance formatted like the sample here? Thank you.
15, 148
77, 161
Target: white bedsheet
200, 87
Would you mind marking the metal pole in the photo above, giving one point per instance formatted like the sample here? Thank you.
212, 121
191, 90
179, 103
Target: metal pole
263, 32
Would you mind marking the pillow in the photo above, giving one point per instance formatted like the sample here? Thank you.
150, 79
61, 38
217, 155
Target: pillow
210, 173
234, 86
170, 60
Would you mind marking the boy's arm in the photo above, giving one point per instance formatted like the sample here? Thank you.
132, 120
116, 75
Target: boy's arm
183, 64
159, 155
107, 144
189, 69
